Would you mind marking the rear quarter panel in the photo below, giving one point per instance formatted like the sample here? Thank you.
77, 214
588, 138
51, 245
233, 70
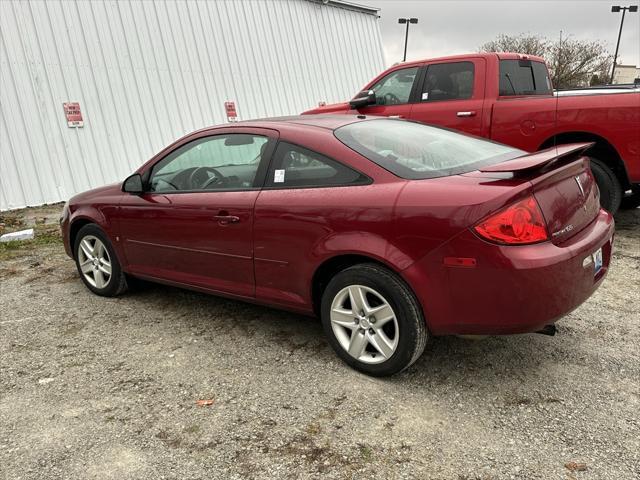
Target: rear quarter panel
296, 230
430, 215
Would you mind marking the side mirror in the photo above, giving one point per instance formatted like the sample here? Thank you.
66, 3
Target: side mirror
364, 98
133, 184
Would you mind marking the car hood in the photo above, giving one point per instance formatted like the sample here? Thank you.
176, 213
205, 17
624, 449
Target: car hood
113, 189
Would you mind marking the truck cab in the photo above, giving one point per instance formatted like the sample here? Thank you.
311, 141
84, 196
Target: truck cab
509, 98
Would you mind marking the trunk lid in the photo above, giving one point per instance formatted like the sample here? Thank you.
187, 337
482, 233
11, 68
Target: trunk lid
563, 186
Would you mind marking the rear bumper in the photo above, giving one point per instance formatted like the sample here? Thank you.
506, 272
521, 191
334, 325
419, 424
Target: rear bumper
512, 289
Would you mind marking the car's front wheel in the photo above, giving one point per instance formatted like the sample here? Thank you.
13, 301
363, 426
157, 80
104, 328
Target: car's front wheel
97, 262
373, 320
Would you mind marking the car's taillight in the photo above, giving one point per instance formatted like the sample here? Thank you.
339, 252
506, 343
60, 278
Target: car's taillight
517, 224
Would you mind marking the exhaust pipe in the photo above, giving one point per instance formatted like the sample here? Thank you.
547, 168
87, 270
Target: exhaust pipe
548, 330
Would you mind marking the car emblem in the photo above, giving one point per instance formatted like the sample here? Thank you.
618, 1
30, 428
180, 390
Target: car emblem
566, 229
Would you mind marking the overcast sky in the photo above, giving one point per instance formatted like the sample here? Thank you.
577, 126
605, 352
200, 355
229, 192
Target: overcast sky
461, 26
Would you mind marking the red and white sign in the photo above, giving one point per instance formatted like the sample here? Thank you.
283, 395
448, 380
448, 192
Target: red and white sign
73, 114
230, 108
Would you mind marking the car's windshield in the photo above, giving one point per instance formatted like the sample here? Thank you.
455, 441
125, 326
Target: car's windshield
415, 151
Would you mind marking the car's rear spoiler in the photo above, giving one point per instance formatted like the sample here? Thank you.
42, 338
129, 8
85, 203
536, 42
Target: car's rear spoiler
541, 159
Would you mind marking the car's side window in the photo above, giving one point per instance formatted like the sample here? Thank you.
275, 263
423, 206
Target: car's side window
295, 166
448, 81
219, 162
395, 88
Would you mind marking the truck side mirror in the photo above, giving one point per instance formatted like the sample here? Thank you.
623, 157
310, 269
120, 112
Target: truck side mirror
364, 98
133, 184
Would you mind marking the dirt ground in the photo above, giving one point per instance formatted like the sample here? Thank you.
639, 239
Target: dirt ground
107, 388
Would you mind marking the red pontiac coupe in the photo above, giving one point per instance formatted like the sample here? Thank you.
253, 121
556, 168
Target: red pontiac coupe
389, 230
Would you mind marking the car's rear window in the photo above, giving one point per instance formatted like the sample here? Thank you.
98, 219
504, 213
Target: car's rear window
413, 150
524, 77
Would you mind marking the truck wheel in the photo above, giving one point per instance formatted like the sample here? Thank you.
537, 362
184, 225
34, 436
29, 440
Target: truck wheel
633, 199
608, 184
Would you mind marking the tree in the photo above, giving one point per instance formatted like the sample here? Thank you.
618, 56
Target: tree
572, 63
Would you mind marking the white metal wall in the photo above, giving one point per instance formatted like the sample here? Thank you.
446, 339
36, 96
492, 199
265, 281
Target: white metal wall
147, 72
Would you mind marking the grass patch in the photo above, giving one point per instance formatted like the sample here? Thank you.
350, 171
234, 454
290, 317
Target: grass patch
193, 429
313, 429
10, 220
44, 235
366, 453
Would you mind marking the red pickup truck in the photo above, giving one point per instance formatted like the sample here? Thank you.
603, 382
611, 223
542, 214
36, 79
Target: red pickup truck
508, 97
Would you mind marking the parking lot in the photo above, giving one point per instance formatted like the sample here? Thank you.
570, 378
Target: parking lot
94, 387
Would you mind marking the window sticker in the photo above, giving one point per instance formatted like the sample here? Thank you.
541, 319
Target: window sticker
278, 176
425, 96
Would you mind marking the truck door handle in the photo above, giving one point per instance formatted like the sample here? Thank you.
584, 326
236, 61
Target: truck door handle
396, 116
471, 113
224, 218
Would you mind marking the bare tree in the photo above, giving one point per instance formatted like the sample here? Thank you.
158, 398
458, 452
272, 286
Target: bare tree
572, 63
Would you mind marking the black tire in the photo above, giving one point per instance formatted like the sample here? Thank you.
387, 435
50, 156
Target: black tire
412, 329
632, 200
608, 184
117, 282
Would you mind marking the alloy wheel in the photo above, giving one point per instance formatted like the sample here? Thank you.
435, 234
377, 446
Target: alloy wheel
94, 261
364, 324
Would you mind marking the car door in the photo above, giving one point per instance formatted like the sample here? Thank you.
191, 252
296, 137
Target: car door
193, 224
394, 93
307, 198
452, 95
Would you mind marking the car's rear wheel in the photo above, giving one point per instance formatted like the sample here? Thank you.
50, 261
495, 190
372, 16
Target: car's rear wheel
608, 184
373, 320
97, 262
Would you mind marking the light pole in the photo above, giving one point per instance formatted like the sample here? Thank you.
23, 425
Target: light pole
406, 35
616, 9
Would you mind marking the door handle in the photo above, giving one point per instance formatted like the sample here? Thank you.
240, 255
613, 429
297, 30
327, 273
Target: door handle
471, 113
226, 219
396, 116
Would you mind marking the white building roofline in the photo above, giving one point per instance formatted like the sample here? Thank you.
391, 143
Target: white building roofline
358, 7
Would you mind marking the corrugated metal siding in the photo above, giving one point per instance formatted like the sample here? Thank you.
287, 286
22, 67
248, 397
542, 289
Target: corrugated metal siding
147, 72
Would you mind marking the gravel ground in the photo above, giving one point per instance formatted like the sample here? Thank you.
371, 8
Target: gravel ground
107, 388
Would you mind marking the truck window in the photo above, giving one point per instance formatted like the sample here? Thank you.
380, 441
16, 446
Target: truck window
524, 77
448, 81
395, 88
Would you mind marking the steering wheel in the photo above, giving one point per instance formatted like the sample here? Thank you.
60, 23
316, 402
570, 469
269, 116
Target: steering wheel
391, 99
161, 182
217, 178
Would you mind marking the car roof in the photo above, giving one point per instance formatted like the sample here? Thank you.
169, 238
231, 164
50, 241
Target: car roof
325, 121
466, 56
